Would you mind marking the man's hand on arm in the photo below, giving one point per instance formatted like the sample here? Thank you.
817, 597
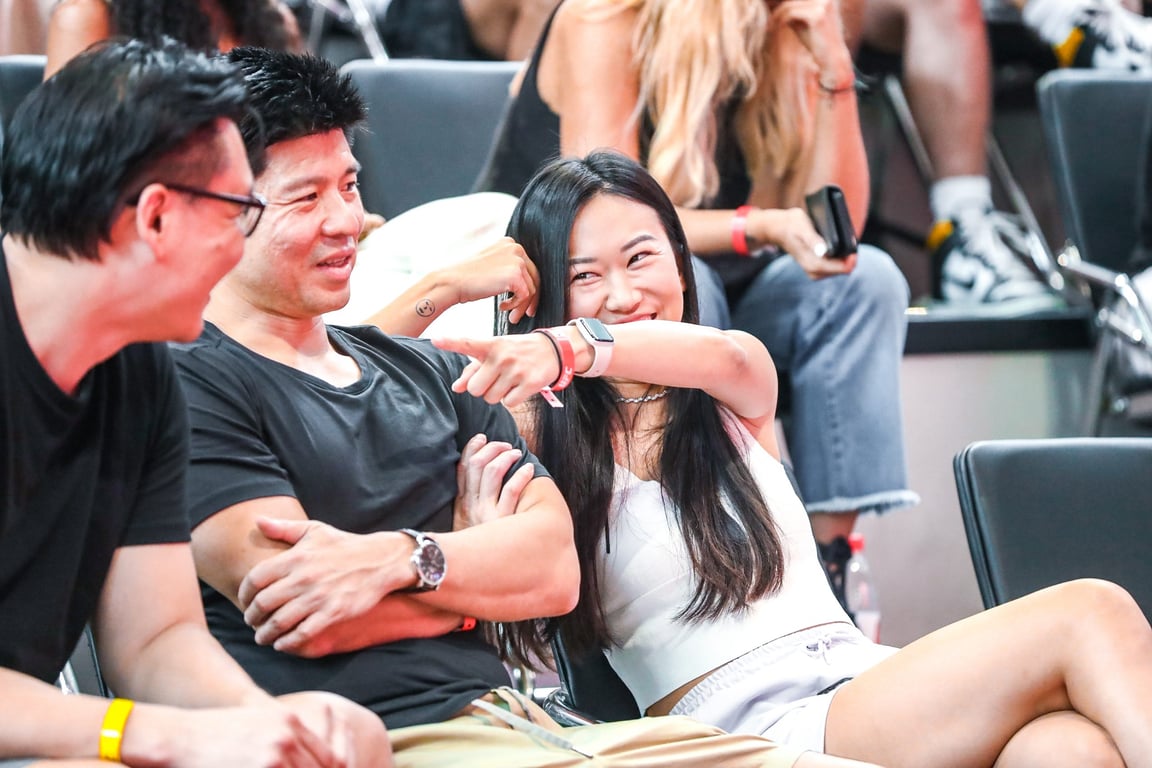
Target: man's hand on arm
235, 556
482, 494
327, 580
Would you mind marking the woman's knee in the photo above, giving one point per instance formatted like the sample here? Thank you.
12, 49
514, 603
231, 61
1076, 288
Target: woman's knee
1099, 607
878, 282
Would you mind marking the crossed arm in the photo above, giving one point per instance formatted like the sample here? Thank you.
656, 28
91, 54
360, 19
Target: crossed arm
311, 589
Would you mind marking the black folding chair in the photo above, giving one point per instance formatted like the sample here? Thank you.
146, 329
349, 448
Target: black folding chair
1043, 511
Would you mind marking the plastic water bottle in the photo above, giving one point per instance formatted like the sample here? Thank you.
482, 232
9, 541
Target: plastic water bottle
860, 590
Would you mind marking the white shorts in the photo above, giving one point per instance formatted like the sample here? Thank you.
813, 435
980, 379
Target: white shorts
782, 690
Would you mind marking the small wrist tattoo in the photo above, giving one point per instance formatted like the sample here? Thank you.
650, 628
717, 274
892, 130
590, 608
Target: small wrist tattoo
425, 308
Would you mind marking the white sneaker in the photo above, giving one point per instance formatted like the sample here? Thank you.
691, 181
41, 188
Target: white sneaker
983, 258
1108, 36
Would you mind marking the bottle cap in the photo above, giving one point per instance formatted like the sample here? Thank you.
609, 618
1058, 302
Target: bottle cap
856, 542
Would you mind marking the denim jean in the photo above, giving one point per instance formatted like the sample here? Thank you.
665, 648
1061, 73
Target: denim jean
841, 340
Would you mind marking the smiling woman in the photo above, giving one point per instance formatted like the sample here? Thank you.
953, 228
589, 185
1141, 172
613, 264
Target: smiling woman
699, 574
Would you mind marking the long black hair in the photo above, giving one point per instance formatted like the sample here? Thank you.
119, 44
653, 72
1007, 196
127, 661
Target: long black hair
731, 538
255, 22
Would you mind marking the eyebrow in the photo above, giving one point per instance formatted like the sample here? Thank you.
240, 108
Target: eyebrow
577, 260
312, 181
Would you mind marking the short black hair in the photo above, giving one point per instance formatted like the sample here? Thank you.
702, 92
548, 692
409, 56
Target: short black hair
295, 95
115, 118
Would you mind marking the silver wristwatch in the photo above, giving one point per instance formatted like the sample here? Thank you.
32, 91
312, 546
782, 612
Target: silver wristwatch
428, 561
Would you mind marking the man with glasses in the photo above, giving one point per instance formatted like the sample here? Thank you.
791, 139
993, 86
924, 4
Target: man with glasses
126, 196
338, 547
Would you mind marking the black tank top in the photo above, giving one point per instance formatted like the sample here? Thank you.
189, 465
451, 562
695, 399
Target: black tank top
529, 137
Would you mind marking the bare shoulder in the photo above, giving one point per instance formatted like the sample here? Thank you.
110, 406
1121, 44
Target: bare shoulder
74, 14
577, 19
589, 48
73, 26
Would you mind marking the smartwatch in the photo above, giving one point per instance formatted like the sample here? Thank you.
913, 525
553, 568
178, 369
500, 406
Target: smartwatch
428, 560
601, 342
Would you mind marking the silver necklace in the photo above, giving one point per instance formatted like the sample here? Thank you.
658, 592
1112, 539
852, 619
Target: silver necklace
643, 398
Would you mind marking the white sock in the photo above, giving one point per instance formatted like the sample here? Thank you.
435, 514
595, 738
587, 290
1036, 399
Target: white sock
951, 197
1053, 20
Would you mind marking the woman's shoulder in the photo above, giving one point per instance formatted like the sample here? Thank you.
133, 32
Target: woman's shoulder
82, 12
580, 17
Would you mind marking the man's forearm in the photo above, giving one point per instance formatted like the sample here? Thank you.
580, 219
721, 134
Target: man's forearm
396, 617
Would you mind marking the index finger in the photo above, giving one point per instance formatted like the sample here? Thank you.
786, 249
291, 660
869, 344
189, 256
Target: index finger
474, 348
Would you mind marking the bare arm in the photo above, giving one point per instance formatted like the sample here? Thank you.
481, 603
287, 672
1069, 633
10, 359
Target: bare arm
231, 543
838, 145
73, 26
502, 267
731, 366
588, 77
336, 590
149, 626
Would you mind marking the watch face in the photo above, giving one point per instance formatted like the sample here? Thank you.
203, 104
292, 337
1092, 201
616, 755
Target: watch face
431, 563
595, 329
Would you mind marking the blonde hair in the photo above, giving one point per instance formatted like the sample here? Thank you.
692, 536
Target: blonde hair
694, 58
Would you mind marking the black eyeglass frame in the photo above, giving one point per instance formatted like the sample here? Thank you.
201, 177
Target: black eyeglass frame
250, 202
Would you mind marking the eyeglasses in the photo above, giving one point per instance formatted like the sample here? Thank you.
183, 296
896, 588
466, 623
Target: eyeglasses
253, 205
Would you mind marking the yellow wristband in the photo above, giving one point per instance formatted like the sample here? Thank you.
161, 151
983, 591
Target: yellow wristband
112, 731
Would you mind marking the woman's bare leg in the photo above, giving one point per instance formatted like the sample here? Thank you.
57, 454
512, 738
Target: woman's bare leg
1061, 739
817, 760
959, 696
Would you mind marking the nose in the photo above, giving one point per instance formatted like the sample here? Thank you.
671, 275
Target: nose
623, 293
343, 216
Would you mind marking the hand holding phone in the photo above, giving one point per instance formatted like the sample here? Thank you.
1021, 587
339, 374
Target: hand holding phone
829, 213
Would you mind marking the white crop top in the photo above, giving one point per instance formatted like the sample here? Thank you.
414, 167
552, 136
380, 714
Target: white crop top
647, 580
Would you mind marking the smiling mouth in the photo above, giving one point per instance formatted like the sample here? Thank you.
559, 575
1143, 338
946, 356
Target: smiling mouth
336, 262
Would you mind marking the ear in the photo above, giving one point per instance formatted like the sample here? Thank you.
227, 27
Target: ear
153, 210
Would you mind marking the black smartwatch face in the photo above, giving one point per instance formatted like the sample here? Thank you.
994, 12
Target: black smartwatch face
596, 329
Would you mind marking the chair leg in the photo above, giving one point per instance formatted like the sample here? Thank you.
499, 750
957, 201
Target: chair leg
1094, 393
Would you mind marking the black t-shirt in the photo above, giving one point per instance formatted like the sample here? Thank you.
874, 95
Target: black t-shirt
79, 476
377, 455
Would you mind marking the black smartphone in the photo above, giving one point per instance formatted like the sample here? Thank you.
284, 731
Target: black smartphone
829, 213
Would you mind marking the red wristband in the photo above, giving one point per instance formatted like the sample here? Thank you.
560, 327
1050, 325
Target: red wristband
564, 354
740, 230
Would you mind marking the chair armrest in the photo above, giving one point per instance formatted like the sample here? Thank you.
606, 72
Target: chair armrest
557, 706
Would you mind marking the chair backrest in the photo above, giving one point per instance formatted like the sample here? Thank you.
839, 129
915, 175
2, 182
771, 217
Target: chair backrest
431, 126
18, 75
82, 672
1095, 125
592, 687
1039, 512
